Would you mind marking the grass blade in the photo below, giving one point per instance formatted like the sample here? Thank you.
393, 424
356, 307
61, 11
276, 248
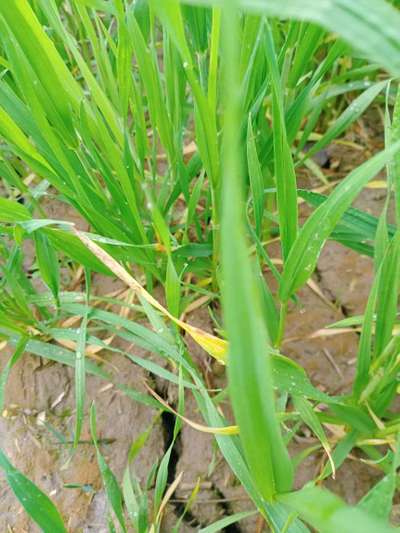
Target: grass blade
355, 22
250, 375
48, 263
328, 514
351, 114
305, 252
388, 290
225, 522
80, 369
11, 211
283, 163
38, 506
256, 178
18, 353
113, 491
378, 501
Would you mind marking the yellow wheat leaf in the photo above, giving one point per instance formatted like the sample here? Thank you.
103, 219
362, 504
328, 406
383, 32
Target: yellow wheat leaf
225, 430
214, 346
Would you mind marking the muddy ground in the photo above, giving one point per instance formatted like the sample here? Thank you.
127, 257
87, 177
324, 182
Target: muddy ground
40, 391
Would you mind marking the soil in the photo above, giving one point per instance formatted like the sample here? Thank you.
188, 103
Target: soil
40, 391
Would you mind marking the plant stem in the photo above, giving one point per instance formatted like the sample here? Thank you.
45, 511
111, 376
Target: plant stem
282, 324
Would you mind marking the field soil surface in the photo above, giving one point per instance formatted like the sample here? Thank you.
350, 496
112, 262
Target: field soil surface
40, 394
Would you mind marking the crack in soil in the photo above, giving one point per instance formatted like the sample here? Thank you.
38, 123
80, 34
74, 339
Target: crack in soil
227, 510
168, 424
330, 295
